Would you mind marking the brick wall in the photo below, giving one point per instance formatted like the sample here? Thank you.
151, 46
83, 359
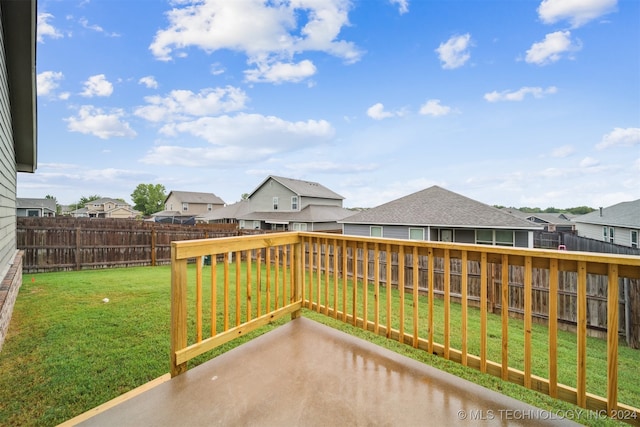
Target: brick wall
8, 293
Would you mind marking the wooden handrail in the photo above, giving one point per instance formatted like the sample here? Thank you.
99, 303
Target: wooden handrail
343, 277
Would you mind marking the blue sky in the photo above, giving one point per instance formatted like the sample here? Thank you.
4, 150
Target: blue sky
514, 103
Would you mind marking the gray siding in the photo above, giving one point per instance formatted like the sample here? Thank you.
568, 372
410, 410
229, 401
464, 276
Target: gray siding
306, 201
262, 200
402, 232
521, 239
621, 235
8, 174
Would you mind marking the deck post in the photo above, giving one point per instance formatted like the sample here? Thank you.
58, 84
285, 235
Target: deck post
298, 265
178, 310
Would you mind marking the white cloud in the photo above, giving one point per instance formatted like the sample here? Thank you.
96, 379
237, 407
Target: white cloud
240, 138
552, 48
281, 72
149, 81
454, 52
577, 12
564, 151
47, 82
589, 162
44, 28
97, 85
403, 5
519, 95
94, 121
433, 108
624, 137
377, 112
184, 104
97, 28
267, 32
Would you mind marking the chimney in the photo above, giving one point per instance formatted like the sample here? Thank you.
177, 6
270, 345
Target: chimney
600, 210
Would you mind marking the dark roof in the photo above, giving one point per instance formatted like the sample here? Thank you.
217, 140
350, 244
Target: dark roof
302, 188
19, 40
436, 206
311, 213
625, 214
24, 203
196, 197
232, 211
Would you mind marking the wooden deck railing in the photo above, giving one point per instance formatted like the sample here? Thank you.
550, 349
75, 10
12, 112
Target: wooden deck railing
265, 277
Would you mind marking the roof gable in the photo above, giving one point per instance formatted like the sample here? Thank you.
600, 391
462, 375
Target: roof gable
439, 207
302, 188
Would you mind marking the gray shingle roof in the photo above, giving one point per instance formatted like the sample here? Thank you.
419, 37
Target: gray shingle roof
196, 197
436, 206
625, 214
235, 210
22, 203
311, 213
303, 188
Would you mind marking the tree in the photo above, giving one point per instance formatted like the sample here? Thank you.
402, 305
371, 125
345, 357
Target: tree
149, 198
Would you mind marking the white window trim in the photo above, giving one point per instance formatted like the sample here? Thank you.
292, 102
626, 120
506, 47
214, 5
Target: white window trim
275, 203
295, 206
376, 226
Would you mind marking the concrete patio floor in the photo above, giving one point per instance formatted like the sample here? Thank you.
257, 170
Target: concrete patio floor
307, 374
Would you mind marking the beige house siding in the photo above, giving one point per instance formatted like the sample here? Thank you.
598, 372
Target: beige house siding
178, 204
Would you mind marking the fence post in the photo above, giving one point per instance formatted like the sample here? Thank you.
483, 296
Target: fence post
153, 247
78, 241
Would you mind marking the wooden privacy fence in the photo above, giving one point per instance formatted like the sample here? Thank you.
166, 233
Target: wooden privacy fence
253, 280
60, 243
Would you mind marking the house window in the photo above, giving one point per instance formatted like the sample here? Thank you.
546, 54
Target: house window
608, 234
375, 231
256, 225
446, 235
294, 203
634, 238
275, 203
241, 223
504, 237
484, 237
185, 206
33, 212
299, 226
416, 234
209, 207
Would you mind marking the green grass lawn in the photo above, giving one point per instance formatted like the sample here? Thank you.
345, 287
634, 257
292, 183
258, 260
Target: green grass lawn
67, 351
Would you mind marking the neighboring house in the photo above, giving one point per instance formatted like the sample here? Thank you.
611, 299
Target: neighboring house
18, 136
35, 207
618, 224
280, 203
190, 203
228, 214
437, 214
106, 208
552, 222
